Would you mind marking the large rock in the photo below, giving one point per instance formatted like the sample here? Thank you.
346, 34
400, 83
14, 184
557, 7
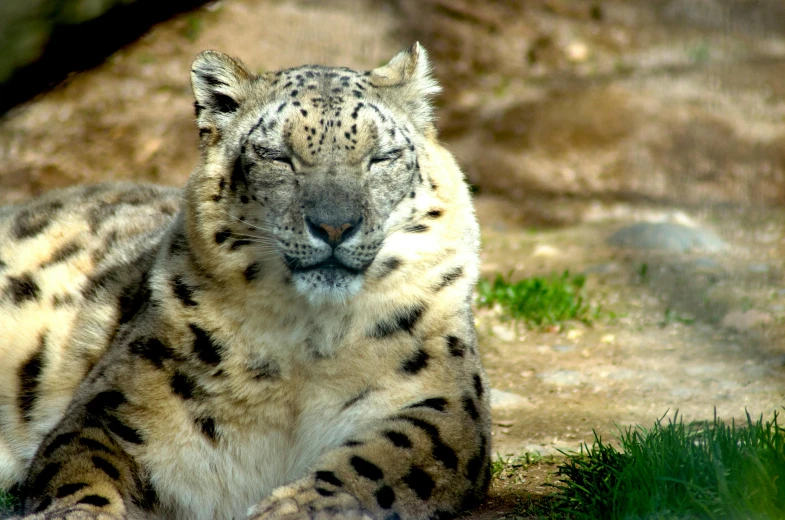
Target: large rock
666, 236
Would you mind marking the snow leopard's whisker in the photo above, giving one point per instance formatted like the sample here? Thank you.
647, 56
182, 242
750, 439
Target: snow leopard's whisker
256, 238
260, 228
395, 229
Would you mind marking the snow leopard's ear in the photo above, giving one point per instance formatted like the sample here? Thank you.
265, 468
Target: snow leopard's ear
408, 80
220, 84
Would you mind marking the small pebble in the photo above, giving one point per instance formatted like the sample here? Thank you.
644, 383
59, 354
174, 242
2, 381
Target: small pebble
577, 51
705, 263
545, 250
501, 400
602, 269
682, 392
562, 377
503, 332
622, 374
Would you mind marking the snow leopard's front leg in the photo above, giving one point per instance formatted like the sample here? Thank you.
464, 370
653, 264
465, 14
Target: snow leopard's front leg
84, 469
429, 459
81, 472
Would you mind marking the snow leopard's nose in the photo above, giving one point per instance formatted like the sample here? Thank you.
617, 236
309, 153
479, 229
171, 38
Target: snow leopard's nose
332, 232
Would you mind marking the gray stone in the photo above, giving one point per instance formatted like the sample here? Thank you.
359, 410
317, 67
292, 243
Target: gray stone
682, 392
562, 377
705, 370
502, 400
666, 236
607, 268
622, 374
705, 263
563, 348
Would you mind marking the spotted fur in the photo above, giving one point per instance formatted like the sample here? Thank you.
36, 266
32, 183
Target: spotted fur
290, 336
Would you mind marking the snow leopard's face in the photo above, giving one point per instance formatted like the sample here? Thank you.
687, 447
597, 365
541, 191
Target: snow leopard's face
320, 167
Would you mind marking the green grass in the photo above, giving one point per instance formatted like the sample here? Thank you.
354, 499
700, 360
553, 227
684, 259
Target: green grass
538, 301
193, 28
671, 316
700, 53
505, 467
709, 470
643, 273
7, 503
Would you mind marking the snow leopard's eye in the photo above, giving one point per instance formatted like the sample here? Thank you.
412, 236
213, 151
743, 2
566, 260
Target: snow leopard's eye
386, 158
275, 156
284, 161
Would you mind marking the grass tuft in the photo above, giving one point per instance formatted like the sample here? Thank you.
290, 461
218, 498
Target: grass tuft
8, 503
537, 301
707, 470
512, 467
193, 28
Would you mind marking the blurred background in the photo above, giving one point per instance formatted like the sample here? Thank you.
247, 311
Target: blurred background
639, 143
665, 101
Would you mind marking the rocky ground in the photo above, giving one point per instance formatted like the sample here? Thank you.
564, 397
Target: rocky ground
576, 121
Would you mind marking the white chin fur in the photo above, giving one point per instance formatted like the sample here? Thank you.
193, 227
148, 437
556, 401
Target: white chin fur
335, 288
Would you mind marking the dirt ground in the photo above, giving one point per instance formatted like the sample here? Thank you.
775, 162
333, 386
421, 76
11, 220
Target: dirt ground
573, 119
698, 333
